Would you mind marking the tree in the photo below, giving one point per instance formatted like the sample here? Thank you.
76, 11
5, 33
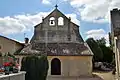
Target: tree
98, 55
101, 41
36, 67
108, 54
44, 67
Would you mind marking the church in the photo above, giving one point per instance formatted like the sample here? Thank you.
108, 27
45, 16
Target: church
59, 38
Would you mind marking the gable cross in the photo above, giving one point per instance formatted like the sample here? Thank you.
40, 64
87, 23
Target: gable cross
56, 6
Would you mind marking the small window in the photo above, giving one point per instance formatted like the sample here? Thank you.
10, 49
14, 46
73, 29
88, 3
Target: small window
52, 21
60, 21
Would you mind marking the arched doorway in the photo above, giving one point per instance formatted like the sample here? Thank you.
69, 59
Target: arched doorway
55, 67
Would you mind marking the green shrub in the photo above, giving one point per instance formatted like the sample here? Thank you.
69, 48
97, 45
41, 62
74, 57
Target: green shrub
36, 67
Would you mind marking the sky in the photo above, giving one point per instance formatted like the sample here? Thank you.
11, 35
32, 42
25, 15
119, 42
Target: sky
18, 17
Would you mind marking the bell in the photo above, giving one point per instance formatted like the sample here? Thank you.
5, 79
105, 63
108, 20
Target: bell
51, 21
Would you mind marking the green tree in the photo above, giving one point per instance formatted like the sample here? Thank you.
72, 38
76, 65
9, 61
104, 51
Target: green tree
44, 67
36, 67
101, 41
108, 54
98, 55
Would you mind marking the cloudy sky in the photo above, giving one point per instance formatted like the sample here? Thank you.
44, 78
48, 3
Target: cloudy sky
18, 17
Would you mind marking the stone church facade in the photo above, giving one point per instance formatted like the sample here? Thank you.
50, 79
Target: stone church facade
58, 38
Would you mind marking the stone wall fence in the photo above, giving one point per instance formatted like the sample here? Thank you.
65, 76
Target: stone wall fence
15, 76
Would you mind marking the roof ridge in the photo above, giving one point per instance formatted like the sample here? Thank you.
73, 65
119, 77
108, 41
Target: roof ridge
11, 39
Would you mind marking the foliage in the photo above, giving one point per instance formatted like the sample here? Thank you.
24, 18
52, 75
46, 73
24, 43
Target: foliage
36, 67
9, 57
98, 55
0, 54
100, 50
10, 64
107, 54
101, 41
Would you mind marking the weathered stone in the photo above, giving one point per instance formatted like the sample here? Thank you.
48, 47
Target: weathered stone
63, 43
57, 39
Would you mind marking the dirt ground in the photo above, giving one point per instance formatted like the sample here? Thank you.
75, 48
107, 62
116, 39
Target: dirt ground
105, 75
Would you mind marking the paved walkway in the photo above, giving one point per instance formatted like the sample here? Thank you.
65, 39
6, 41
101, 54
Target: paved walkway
73, 78
102, 76
105, 75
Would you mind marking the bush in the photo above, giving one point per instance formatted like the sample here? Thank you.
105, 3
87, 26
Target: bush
36, 67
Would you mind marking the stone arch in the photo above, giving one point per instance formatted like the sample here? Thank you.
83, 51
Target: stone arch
60, 21
55, 67
52, 21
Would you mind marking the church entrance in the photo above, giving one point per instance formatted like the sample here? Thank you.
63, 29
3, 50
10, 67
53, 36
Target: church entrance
55, 67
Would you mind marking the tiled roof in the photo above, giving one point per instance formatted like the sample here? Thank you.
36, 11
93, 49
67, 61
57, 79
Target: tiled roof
61, 49
11, 40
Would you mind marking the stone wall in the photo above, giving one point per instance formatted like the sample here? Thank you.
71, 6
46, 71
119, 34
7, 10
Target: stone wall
8, 45
68, 32
115, 22
73, 65
16, 76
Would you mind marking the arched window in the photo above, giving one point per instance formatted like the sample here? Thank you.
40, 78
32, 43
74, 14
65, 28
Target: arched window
52, 21
60, 21
55, 67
